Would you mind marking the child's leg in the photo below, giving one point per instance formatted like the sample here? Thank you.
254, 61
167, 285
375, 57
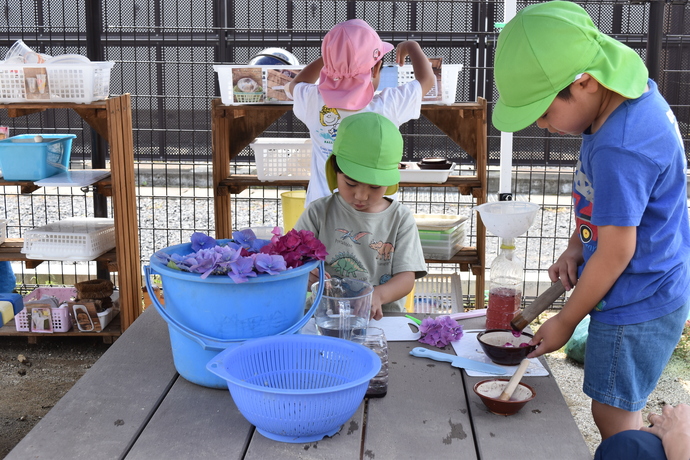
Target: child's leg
623, 365
611, 420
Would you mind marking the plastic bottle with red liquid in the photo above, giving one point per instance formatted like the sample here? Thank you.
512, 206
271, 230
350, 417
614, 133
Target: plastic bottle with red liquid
505, 293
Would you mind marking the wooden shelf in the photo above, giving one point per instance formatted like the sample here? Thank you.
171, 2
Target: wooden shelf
112, 120
234, 127
103, 187
111, 332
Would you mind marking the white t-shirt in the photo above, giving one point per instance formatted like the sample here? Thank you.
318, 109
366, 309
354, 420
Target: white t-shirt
399, 105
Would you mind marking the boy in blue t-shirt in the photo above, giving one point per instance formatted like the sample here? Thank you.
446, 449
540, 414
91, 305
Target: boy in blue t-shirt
630, 251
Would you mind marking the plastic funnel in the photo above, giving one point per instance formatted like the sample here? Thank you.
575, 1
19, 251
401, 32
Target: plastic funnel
508, 219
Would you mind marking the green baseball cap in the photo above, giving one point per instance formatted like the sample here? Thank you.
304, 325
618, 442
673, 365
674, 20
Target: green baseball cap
541, 51
368, 148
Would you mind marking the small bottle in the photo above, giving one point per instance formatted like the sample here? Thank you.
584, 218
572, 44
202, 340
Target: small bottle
505, 293
375, 339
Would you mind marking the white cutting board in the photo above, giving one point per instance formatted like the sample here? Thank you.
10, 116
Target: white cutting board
397, 328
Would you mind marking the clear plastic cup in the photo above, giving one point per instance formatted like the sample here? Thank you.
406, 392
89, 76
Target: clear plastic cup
18, 49
345, 307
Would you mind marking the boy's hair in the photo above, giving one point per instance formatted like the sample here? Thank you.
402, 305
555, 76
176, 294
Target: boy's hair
350, 50
542, 50
368, 149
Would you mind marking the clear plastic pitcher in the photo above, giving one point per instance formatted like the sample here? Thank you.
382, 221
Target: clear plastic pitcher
344, 308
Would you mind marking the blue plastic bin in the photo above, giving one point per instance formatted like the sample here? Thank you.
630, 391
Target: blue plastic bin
24, 158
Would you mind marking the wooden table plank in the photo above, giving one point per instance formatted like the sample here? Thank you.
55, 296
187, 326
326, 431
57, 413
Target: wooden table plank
543, 429
101, 416
343, 445
424, 411
194, 422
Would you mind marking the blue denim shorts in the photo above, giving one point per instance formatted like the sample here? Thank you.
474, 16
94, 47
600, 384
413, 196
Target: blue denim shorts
623, 363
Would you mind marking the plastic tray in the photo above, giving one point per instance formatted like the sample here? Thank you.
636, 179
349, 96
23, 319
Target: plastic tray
282, 158
3, 230
35, 156
413, 173
443, 250
68, 82
72, 239
438, 222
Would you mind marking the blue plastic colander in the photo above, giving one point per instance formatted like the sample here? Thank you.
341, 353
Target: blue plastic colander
297, 388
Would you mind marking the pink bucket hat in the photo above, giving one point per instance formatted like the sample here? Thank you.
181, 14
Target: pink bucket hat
350, 50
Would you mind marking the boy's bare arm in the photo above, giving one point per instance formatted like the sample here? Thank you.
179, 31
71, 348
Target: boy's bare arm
309, 74
420, 63
394, 289
615, 248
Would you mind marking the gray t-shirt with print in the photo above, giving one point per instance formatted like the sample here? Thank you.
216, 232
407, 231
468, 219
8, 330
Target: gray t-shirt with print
367, 246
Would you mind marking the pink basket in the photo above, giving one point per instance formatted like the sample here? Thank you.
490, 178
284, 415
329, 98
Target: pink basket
60, 316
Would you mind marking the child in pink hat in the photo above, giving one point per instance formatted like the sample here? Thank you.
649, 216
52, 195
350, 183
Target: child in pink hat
348, 71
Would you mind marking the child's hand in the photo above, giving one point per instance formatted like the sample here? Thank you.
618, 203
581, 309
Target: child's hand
565, 268
403, 50
551, 335
314, 277
376, 309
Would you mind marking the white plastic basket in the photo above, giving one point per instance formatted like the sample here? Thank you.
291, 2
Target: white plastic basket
449, 83
282, 158
273, 80
437, 293
72, 239
68, 82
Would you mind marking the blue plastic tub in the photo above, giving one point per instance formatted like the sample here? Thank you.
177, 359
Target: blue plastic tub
207, 316
35, 156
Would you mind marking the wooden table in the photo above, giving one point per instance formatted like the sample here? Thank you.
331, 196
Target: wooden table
132, 404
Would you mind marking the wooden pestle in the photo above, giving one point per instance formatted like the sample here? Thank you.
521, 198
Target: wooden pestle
541, 303
514, 381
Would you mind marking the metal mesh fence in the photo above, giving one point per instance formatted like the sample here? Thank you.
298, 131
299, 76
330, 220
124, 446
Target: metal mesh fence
164, 52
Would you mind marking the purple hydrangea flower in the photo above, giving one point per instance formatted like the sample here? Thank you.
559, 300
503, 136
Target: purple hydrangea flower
271, 264
440, 331
202, 241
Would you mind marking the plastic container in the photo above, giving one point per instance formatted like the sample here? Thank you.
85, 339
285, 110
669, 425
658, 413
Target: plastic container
438, 293
375, 339
282, 158
35, 156
449, 83
60, 316
443, 249
71, 239
272, 81
413, 173
293, 207
208, 315
67, 82
3, 230
297, 388
505, 292
438, 226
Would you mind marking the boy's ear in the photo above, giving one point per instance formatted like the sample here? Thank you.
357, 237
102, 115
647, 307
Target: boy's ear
587, 83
